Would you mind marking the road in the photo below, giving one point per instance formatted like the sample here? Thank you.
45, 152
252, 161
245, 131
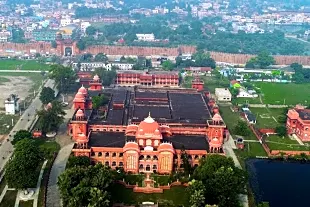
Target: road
24, 122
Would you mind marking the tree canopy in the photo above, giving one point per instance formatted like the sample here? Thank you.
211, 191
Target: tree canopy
78, 161
51, 117
241, 128
301, 75
21, 169
20, 135
281, 131
47, 95
261, 61
63, 76
167, 65
91, 30
100, 57
98, 101
107, 76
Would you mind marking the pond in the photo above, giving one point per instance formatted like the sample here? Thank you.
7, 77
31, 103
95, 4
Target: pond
280, 183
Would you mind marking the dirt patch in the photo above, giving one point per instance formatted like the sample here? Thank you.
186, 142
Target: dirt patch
18, 85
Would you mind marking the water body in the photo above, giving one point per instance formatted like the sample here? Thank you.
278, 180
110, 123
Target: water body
282, 184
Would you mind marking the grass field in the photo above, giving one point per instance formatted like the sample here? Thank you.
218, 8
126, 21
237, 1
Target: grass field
279, 93
275, 142
248, 100
267, 118
9, 199
176, 195
12, 64
6, 122
210, 83
26, 203
251, 149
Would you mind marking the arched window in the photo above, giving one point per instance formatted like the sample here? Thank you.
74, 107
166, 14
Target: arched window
155, 157
120, 154
148, 168
196, 157
107, 154
190, 157
92, 154
141, 157
203, 156
114, 154
113, 164
175, 157
154, 167
148, 157
140, 167
106, 163
99, 154
120, 164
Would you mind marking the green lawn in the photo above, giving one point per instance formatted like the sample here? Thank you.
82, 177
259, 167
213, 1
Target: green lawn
251, 149
264, 117
248, 101
9, 199
210, 83
279, 93
26, 203
6, 122
176, 195
12, 64
231, 119
275, 142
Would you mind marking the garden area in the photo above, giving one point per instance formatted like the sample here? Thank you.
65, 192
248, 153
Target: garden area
210, 82
13, 64
284, 94
276, 142
269, 117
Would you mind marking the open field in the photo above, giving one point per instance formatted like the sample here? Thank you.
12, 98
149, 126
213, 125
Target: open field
279, 93
12, 64
248, 100
268, 118
210, 83
6, 123
251, 149
275, 142
176, 195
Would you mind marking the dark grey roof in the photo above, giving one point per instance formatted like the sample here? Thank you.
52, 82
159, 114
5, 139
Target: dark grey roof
304, 114
108, 139
188, 142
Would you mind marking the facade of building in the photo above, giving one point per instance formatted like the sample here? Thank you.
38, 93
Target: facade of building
153, 78
199, 70
44, 35
11, 104
298, 123
146, 37
145, 130
222, 94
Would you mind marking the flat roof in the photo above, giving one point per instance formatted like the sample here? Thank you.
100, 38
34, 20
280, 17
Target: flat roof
150, 94
108, 139
188, 142
157, 112
304, 114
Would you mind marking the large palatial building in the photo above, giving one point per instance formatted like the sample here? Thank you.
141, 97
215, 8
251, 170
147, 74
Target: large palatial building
145, 130
298, 123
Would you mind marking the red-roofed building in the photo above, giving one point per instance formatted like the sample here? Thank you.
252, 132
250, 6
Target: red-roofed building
298, 123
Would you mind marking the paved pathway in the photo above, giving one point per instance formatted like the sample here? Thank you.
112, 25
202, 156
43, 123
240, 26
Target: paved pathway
36, 195
3, 192
6, 147
230, 153
53, 196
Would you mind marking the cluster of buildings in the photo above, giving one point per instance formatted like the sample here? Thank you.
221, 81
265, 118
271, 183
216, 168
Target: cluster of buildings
145, 129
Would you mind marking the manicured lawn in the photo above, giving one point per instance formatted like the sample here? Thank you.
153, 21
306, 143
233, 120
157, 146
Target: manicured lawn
6, 122
210, 82
248, 101
275, 142
176, 195
26, 203
9, 199
231, 119
251, 149
279, 93
161, 179
265, 119
12, 64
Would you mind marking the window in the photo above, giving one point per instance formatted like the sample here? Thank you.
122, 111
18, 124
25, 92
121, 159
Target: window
92, 154
155, 157
113, 164
114, 154
107, 154
148, 168
141, 157
148, 157
196, 157
100, 154
141, 167
120, 164
120, 155
154, 167
106, 163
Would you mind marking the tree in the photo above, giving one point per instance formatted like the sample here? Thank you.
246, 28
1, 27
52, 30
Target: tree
185, 161
281, 131
98, 101
100, 57
196, 190
85, 186
20, 135
262, 60
241, 128
107, 77
63, 76
91, 30
87, 57
47, 95
80, 161
222, 180
54, 44
21, 169
81, 45
51, 117
167, 65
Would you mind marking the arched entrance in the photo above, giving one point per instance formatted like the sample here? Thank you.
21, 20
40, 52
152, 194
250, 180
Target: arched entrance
68, 51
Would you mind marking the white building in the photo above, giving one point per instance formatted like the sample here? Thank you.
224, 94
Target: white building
146, 37
223, 94
84, 25
65, 22
120, 65
91, 66
11, 104
246, 94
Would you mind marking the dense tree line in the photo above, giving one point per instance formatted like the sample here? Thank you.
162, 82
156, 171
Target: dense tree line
301, 75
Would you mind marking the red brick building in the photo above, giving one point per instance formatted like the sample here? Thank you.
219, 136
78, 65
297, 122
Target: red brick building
145, 130
153, 78
298, 122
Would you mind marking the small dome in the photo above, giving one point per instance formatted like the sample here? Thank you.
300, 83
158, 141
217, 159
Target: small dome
79, 114
148, 126
79, 95
131, 146
157, 132
96, 78
82, 139
83, 90
217, 117
165, 147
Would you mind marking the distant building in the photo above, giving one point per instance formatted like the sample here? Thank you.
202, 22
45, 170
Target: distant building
246, 94
44, 35
222, 94
119, 65
91, 66
84, 26
11, 104
298, 123
250, 117
199, 70
5, 36
146, 37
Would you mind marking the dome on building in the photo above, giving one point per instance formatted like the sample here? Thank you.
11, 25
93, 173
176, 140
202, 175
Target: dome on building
157, 132
96, 78
82, 139
217, 117
83, 90
131, 146
79, 96
148, 125
79, 113
165, 147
